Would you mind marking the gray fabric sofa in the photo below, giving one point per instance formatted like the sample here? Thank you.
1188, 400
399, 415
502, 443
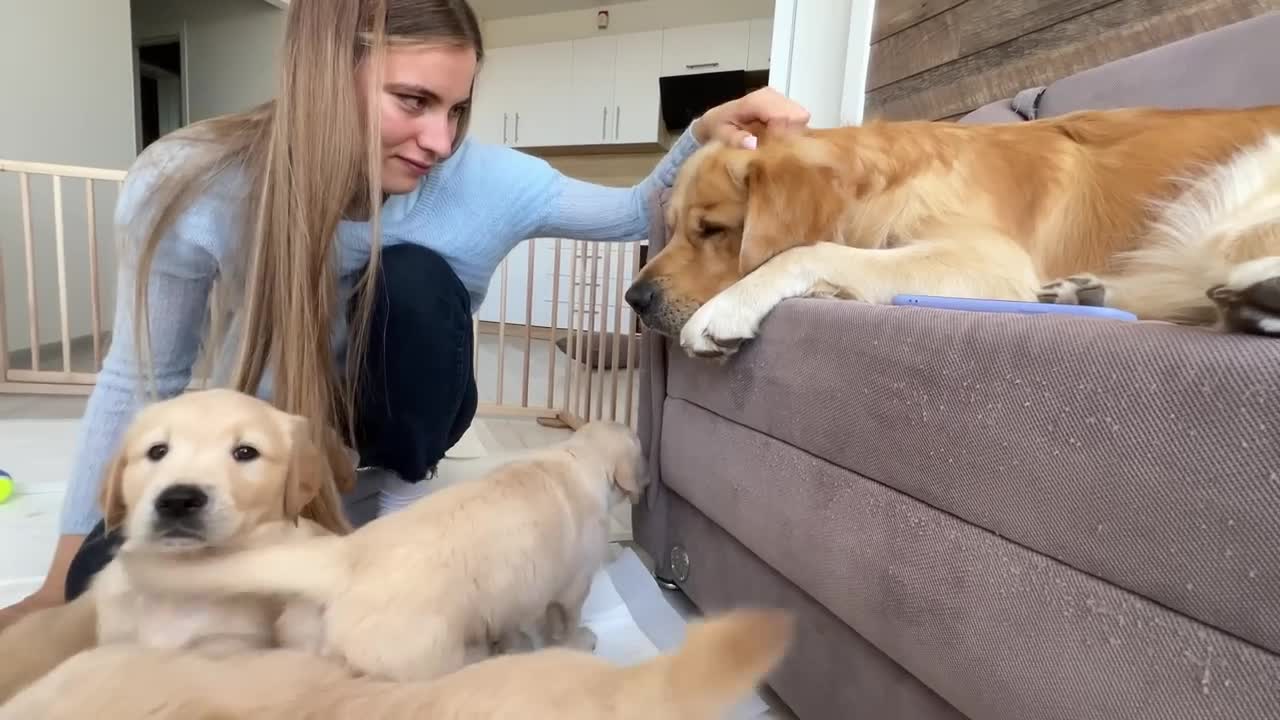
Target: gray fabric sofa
992, 516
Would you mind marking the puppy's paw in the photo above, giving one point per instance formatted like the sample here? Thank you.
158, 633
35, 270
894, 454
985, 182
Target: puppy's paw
513, 641
719, 328
1249, 302
583, 638
1075, 290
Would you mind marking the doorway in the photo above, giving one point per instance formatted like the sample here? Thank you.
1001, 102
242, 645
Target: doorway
161, 88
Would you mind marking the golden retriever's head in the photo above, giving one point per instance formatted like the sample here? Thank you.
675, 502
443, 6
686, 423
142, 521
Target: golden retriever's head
732, 209
206, 468
618, 448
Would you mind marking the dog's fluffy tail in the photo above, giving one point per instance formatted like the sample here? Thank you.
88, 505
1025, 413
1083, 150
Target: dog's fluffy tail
314, 569
721, 661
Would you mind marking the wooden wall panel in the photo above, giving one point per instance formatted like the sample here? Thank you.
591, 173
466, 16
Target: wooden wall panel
893, 16
970, 28
984, 50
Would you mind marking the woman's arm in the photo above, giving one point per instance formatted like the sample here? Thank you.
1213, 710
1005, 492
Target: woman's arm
178, 286
586, 211
575, 209
178, 291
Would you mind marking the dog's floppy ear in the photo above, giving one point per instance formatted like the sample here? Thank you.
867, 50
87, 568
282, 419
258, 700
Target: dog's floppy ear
111, 493
318, 471
791, 197
631, 472
308, 468
342, 464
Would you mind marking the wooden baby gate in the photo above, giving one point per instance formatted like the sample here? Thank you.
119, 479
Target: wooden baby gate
554, 339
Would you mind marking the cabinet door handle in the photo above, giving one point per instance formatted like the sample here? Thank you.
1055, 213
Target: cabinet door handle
517, 127
604, 120
696, 66
504, 128
617, 120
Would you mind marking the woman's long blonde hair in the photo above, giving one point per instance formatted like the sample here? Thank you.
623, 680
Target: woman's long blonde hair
309, 159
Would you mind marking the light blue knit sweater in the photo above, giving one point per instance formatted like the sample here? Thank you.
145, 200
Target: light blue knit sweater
472, 209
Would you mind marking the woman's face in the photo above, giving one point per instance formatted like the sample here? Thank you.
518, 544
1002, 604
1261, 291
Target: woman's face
425, 91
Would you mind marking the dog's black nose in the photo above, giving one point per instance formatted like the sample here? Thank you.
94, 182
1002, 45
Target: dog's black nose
640, 297
180, 501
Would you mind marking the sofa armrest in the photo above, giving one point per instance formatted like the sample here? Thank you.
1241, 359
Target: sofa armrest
1137, 452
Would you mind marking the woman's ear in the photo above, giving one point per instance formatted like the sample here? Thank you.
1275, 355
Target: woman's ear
111, 492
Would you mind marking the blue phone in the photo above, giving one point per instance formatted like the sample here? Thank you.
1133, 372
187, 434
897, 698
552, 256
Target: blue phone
1011, 306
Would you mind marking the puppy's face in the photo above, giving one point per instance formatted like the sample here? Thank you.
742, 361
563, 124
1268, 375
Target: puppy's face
206, 468
619, 451
731, 210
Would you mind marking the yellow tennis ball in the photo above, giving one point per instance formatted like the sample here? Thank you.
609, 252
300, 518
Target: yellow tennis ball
6, 486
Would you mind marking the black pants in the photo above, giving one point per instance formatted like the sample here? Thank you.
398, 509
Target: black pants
417, 392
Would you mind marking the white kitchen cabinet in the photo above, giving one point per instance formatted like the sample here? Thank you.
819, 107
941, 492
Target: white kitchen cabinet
615, 89
636, 99
521, 94
602, 90
591, 109
490, 102
705, 48
542, 90
759, 44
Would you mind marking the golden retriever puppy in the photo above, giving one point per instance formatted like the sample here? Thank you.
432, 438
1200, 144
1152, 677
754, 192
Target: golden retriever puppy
423, 591
1173, 215
200, 475
721, 661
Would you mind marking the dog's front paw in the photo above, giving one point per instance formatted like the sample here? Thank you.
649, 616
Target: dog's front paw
583, 639
1250, 300
718, 329
1075, 290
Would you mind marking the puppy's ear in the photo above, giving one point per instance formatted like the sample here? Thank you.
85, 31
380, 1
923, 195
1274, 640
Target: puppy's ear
111, 492
791, 198
308, 468
631, 472
341, 460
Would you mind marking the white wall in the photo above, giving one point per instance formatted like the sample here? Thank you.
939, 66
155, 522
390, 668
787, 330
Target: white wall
232, 49
624, 18
66, 93
821, 49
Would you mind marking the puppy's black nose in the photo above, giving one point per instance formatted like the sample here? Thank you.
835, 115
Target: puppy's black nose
641, 296
180, 501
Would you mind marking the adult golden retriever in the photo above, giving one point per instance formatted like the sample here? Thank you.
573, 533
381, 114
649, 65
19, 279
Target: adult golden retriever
205, 473
722, 659
1173, 215
422, 592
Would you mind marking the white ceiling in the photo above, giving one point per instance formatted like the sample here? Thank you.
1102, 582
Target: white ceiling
494, 9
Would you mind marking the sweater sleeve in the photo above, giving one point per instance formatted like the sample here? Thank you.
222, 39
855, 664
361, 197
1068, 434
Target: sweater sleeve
180, 280
586, 211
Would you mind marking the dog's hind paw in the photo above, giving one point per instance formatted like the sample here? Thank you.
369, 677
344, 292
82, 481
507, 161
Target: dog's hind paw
1249, 302
1075, 290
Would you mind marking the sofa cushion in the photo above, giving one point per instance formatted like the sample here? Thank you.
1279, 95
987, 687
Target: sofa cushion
999, 631
1145, 454
1000, 111
1234, 66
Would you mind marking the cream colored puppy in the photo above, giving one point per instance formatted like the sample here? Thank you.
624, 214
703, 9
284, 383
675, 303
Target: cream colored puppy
722, 660
201, 475
421, 592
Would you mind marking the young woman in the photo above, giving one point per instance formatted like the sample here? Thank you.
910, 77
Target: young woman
347, 230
